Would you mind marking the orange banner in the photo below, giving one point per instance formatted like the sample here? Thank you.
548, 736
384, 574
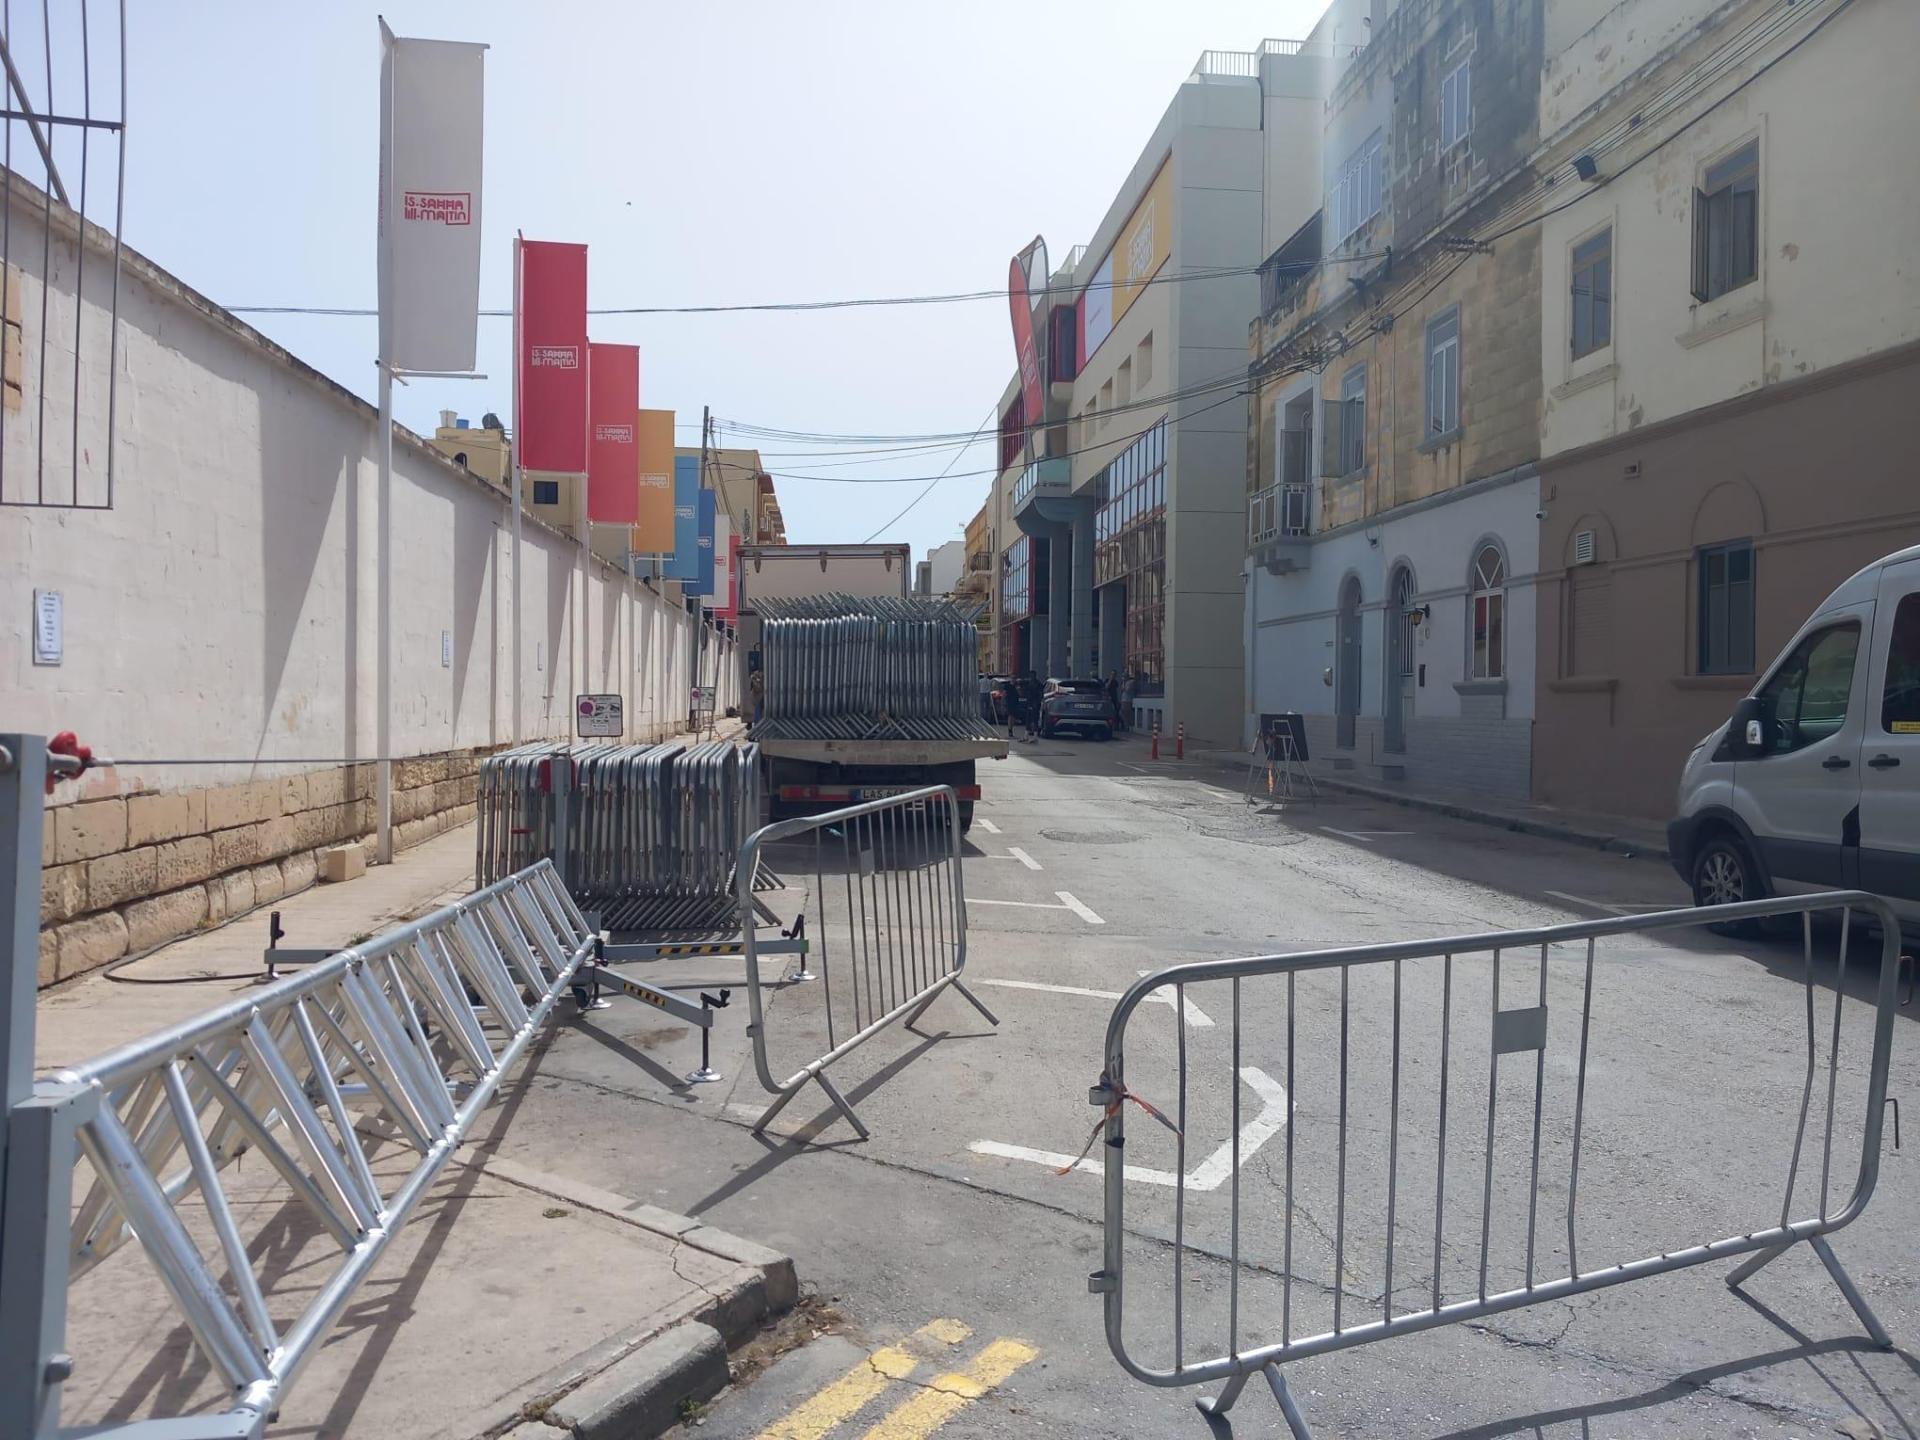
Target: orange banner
652, 533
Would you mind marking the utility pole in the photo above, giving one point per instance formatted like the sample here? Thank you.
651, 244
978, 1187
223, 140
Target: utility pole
700, 654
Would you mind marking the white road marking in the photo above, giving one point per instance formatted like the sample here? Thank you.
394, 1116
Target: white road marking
1210, 1174
1365, 837
1025, 859
986, 825
1081, 910
1646, 908
1195, 1016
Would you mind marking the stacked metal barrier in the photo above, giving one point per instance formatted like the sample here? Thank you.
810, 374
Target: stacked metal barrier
845, 667
645, 835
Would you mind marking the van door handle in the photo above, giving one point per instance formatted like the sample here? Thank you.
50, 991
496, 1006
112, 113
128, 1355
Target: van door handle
1884, 762
1835, 762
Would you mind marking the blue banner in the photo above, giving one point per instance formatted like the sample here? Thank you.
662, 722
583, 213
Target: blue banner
709, 519
684, 563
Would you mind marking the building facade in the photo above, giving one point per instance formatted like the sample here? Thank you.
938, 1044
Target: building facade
1731, 345
1393, 489
1126, 495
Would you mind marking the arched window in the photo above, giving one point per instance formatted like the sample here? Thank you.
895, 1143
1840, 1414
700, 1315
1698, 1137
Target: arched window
1488, 614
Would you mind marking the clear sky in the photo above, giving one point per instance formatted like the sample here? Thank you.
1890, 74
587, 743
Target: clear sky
708, 151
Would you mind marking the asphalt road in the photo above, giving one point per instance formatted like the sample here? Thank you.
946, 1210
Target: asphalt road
948, 1237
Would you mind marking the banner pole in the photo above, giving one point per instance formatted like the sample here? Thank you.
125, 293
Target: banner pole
383, 681
514, 466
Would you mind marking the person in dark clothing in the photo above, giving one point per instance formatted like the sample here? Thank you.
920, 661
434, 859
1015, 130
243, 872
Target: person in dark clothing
1113, 699
1030, 703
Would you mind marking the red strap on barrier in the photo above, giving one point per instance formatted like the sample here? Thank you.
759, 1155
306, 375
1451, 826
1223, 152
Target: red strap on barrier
1112, 1109
67, 743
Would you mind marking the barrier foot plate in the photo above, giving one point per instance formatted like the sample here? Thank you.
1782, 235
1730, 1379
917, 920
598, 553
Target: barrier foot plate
705, 1075
1875, 1330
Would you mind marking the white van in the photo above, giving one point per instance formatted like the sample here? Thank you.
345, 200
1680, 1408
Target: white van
1814, 783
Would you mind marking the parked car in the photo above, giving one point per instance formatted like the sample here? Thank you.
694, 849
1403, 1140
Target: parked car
1814, 781
1076, 705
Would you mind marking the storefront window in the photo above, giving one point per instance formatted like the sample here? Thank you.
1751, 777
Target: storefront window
1129, 547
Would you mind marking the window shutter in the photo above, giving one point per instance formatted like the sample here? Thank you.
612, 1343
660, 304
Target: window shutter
1332, 450
1700, 232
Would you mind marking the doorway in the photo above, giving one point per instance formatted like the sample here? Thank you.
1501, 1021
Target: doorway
1399, 686
1346, 667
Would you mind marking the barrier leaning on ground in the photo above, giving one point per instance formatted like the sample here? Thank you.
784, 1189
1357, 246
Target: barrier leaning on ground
1401, 1051
888, 932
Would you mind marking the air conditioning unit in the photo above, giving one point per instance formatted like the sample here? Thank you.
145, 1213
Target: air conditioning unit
1585, 548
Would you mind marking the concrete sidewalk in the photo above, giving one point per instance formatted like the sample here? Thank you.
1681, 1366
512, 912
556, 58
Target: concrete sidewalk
1620, 834
512, 1300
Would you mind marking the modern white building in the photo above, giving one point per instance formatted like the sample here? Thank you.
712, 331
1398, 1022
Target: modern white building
1125, 548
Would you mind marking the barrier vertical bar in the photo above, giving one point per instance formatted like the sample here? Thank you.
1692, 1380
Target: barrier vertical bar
1493, 1102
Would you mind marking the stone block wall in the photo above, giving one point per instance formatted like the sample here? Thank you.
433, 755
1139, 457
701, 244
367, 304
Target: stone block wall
124, 873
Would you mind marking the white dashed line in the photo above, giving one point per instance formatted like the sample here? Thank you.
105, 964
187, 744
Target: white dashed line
1365, 837
987, 825
1025, 859
1641, 909
1082, 911
1196, 1017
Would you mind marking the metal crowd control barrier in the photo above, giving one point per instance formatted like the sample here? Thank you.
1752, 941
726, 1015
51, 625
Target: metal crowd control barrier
1396, 1067
645, 836
390, 1046
889, 932
846, 667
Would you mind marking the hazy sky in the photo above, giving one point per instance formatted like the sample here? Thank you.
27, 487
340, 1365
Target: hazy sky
708, 151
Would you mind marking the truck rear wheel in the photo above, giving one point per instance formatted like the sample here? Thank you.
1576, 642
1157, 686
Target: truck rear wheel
966, 816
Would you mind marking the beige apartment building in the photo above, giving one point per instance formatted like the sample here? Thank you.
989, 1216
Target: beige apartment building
1731, 345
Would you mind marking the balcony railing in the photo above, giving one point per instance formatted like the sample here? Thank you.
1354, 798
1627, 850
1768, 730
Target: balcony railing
981, 560
1278, 512
1042, 477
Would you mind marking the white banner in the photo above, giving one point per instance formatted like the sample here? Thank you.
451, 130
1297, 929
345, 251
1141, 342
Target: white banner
430, 161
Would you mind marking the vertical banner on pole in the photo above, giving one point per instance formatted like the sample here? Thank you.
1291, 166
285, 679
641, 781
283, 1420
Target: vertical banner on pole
652, 532
684, 563
709, 513
613, 454
725, 542
550, 431
431, 111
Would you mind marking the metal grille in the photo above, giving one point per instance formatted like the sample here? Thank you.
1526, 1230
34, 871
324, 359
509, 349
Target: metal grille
1443, 1156
63, 155
844, 667
647, 836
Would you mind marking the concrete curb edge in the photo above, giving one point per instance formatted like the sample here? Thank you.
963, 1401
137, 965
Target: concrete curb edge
658, 1365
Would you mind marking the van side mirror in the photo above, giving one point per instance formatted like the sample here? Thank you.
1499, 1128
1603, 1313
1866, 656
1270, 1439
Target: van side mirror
1747, 731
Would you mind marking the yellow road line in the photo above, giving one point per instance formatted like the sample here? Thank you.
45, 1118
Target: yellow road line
819, 1414
948, 1394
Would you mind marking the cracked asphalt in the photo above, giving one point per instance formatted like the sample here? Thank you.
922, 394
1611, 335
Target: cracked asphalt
1687, 1108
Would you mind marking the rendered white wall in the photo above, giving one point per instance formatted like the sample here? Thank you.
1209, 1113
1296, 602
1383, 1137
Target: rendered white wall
226, 606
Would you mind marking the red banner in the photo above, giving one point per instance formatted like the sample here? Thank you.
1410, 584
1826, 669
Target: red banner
550, 349
613, 451
1026, 297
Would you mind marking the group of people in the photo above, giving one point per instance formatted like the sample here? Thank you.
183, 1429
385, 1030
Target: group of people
1012, 700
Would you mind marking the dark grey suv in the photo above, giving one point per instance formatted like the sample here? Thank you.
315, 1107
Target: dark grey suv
1076, 705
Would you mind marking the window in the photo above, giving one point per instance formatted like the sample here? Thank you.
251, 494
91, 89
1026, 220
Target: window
1489, 614
1726, 609
1353, 419
546, 492
1593, 294
1143, 363
1106, 402
1443, 375
1456, 105
1900, 699
1355, 194
1123, 382
1726, 225
1806, 700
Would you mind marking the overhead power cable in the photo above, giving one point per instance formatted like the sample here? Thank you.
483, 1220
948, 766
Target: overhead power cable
856, 303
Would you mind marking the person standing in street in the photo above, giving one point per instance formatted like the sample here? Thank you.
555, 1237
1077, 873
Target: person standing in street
1129, 688
1113, 699
1030, 702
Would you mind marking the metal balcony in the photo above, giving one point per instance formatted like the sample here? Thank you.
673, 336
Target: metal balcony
1041, 480
1277, 523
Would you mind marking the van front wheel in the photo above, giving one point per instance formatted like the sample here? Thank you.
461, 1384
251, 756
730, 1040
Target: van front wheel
1724, 875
